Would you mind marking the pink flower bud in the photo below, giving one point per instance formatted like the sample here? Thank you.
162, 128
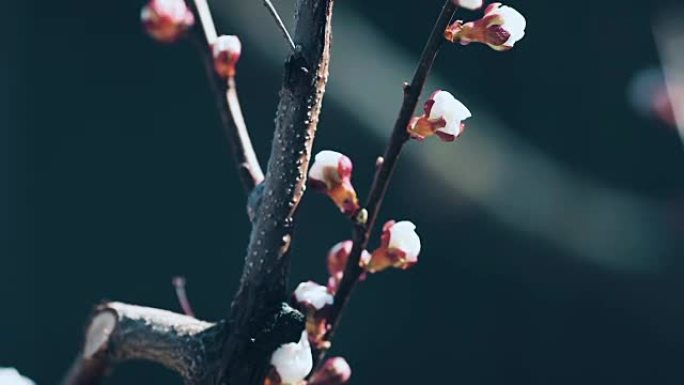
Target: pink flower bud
331, 172
226, 51
315, 301
444, 116
500, 28
337, 263
166, 20
469, 4
335, 371
399, 248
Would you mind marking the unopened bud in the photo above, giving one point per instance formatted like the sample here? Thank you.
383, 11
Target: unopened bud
500, 28
331, 173
335, 371
469, 4
226, 51
444, 116
399, 248
315, 301
310, 294
292, 362
10, 376
166, 20
337, 262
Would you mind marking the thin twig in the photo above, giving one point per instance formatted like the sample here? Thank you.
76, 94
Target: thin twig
383, 175
203, 13
225, 92
279, 22
182, 295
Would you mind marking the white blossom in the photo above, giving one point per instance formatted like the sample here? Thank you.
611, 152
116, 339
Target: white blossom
227, 43
293, 361
10, 376
469, 4
403, 236
313, 294
226, 51
512, 22
325, 168
451, 110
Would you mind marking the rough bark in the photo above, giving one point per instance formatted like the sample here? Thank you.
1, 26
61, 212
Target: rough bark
119, 332
263, 283
235, 351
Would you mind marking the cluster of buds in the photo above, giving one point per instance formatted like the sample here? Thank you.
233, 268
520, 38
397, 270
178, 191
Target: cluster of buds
226, 52
444, 116
335, 371
399, 248
500, 28
291, 363
166, 20
315, 302
331, 173
337, 262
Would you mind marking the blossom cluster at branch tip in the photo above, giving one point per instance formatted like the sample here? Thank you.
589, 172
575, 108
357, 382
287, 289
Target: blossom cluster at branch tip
166, 20
500, 28
293, 361
226, 52
399, 248
444, 116
335, 371
10, 376
331, 173
314, 301
469, 4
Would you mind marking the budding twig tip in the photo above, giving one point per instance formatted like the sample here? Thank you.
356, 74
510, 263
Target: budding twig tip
179, 284
361, 217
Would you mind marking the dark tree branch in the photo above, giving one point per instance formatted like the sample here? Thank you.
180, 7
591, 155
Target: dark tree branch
362, 230
227, 101
263, 283
235, 352
119, 332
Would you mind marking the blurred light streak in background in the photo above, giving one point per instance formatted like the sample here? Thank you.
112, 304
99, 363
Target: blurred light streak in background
668, 30
519, 185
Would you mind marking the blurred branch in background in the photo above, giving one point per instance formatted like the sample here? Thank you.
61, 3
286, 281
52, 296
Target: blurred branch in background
519, 185
668, 30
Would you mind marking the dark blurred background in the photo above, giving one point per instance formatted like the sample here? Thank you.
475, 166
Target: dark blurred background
552, 230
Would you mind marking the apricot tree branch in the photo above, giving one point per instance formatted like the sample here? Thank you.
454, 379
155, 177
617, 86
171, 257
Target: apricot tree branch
237, 350
383, 175
227, 101
263, 283
119, 332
